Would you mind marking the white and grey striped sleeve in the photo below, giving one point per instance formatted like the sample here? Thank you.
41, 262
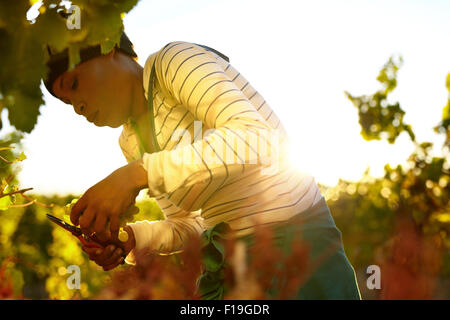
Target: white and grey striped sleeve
240, 139
165, 236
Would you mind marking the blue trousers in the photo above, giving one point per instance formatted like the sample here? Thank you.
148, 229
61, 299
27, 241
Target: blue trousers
334, 277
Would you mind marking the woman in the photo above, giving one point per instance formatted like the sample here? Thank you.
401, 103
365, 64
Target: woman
206, 145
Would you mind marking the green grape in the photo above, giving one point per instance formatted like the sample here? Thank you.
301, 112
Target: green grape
123, 235
127, 216
68, 207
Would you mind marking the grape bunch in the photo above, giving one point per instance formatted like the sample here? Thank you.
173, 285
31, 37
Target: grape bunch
127, 216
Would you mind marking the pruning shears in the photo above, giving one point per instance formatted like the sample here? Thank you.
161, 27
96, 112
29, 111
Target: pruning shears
91, 241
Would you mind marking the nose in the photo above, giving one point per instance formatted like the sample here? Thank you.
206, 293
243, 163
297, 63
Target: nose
79, 108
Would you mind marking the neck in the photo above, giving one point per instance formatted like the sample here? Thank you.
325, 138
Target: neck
139, 109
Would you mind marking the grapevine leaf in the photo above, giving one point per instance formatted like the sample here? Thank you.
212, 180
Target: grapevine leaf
21, 157
23, 45
24, 110
74, 56
448, 82
5, 202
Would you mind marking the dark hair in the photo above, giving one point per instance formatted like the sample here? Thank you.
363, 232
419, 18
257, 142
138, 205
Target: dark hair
58, 63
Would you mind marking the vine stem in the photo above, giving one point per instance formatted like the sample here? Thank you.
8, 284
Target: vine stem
5, 160
51, 205
22, 204
14, 192
8, 180
31, 200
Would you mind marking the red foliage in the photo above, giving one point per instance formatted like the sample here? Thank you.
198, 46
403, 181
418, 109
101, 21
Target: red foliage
158, 277
6, 283
247, 275
412, 268
265, 263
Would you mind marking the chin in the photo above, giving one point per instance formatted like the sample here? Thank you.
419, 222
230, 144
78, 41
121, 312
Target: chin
111, 124
115, 125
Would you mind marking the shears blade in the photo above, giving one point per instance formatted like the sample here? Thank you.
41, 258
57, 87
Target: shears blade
74, 230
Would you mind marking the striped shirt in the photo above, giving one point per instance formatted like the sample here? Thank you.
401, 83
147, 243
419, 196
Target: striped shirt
222, 175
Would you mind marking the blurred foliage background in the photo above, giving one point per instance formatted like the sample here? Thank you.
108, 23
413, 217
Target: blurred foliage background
400, 221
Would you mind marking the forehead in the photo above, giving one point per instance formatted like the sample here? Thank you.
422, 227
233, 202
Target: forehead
99, 68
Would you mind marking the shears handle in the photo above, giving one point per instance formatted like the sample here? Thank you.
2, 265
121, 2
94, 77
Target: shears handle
92, 243
89, 243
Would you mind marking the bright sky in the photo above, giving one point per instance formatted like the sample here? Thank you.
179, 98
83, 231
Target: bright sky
300, 55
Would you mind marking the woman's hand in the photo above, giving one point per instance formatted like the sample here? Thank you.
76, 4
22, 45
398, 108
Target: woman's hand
112, 255
103, 203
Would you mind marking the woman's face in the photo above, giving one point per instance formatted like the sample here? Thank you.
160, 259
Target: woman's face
100, 89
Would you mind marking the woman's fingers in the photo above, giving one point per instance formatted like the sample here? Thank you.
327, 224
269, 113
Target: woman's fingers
100, 227
105, 255
112, 266
114, 258
77, 210
100, 255
87, 220
114, 226
108, 258
93, 253
89, 251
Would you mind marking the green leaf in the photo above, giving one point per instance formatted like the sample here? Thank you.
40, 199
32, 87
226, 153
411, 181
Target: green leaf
446, 112
213, 258
74, 56
52, 29
378, 119
23, 48
211, 285
448, 82
107, 46
5, 202
24, 109
21, 157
